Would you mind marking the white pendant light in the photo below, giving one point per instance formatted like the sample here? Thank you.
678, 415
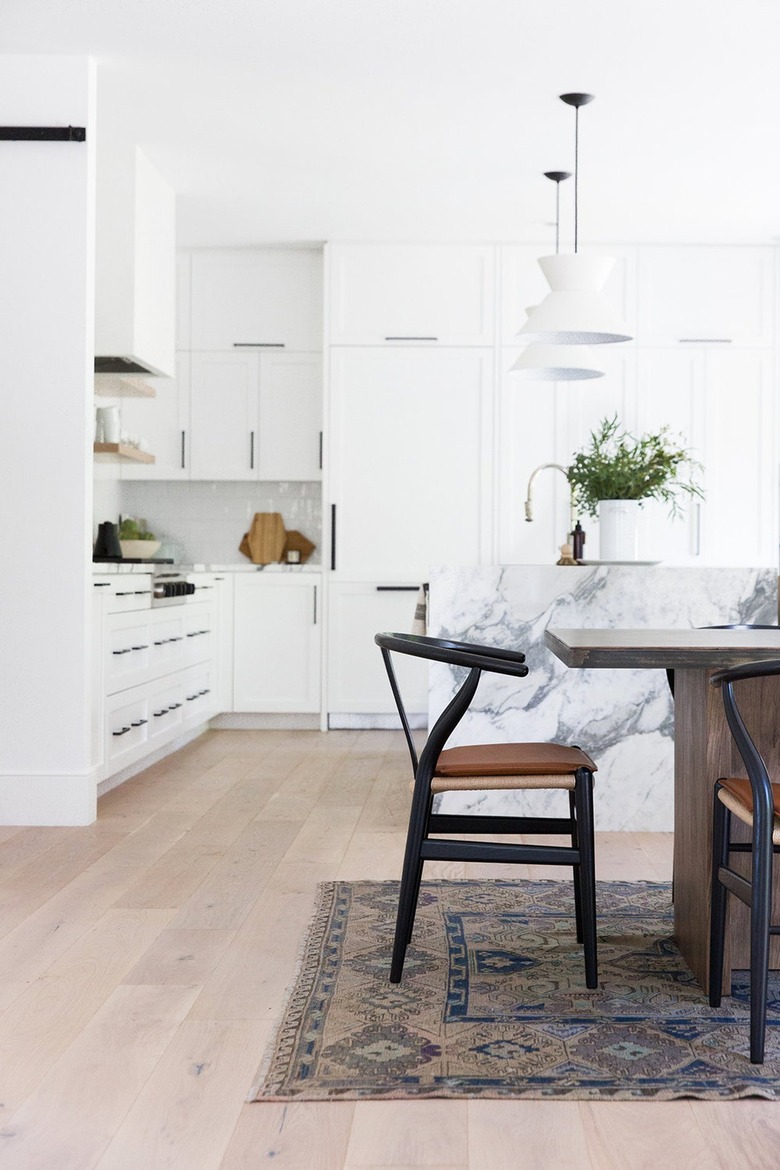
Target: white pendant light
556, 363
576, 311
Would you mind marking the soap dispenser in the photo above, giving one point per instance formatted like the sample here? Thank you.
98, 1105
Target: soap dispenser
578, 542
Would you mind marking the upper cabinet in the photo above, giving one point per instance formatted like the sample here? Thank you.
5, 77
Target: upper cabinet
696, 294
257, 298
396, 294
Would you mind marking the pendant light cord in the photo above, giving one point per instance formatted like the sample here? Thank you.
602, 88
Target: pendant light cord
576, 171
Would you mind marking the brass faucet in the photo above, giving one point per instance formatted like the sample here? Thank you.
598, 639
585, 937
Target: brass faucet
529, 515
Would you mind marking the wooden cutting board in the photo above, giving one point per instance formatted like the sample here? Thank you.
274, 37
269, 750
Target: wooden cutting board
264, 542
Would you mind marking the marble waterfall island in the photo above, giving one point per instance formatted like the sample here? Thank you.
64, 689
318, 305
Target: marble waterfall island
623, 718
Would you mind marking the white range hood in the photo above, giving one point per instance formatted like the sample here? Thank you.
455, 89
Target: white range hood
135, 278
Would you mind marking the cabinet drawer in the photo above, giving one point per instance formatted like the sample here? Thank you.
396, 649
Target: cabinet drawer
126, 729
199, 694
129, 592
166, 709
128, 652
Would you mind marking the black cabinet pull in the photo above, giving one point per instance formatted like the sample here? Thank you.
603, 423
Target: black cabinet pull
398, 588
139, 723
315, 605
320, 450
157, 714
140, 647
252, 450
259, 344
142, 592
183, 464
333, 536
124, 731
411, 339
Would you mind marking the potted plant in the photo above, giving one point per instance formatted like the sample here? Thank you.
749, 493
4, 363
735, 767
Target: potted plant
136, 542
616, 472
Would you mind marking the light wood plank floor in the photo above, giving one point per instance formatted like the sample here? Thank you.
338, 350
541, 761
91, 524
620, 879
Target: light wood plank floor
144, 960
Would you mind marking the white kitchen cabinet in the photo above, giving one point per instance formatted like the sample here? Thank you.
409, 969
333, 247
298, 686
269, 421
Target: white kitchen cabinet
410, 459
357, 680
157, 670
411, 293
183, 301
163, 423
256, 297
722, 402
700, 294
277, 643
255, 416
523, 286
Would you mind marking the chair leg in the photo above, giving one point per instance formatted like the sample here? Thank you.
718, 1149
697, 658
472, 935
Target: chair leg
721, 834
410, 879
576, 868
760, 917
583, 800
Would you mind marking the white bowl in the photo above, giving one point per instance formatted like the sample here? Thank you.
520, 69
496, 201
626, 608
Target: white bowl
140, 548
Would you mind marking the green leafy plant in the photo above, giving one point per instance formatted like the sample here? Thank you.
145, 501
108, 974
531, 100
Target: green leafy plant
131, 529
616, 465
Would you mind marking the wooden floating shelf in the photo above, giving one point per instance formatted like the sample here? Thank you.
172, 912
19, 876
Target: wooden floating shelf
123, 451
122, 386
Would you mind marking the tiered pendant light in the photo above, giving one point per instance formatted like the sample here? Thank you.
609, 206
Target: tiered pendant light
556, 363
576, 311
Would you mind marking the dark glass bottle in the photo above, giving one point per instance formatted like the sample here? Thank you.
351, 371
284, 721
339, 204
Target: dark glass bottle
578, 542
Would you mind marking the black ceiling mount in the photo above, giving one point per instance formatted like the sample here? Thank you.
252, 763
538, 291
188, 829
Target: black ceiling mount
557, 178
577, 99
43, 133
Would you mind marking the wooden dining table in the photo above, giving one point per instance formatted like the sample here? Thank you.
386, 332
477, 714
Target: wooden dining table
703, 752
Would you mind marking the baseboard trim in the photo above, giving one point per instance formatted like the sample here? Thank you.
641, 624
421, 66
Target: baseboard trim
264, 721
351, 720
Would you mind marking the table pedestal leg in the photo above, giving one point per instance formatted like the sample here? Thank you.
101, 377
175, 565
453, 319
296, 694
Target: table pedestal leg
703, 752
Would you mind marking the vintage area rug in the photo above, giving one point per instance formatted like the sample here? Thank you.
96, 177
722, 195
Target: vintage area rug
493, 1002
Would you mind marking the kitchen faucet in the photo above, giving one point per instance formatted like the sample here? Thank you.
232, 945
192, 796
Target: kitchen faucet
529, 515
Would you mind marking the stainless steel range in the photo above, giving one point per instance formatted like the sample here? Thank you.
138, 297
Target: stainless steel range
171, 587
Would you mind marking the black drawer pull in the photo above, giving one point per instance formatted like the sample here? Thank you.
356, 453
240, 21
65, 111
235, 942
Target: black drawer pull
116, 652
139, 723
142, 592
140, 647
124, 731
157, 714
398, 588
258, 344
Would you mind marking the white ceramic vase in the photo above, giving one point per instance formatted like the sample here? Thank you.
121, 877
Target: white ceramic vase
619, 530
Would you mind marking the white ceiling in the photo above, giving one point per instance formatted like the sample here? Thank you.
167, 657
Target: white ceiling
309, 120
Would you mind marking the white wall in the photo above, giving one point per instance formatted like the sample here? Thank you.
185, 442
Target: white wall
46, 356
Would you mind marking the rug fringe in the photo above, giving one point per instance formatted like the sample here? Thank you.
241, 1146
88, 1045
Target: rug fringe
322, 907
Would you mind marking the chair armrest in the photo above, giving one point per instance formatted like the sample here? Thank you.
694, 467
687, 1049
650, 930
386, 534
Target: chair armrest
746, 670
487, 658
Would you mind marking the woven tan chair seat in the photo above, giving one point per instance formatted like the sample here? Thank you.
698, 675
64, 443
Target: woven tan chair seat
495, 766
737, 795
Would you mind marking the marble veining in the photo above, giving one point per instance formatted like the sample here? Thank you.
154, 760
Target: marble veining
623, 718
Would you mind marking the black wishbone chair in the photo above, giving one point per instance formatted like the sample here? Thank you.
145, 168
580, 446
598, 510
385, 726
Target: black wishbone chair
481, 767
756, 802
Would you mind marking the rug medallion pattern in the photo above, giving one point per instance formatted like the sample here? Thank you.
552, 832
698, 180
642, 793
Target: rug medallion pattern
493, 1002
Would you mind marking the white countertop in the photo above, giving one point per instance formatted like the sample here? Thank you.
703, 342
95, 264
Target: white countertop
109, 568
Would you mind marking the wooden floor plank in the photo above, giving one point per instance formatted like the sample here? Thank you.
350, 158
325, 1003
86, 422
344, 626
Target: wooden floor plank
186, 1114
390, 1133
527, 1135
41, 1023
72, 1116
309, 1135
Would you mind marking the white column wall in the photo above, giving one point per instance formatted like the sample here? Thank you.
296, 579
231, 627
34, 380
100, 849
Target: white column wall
46, 361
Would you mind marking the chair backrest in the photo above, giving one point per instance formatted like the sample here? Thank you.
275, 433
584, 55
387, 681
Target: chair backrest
475, 657
760, 782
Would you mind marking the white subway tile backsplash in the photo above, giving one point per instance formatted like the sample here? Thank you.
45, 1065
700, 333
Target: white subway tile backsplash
203, 522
